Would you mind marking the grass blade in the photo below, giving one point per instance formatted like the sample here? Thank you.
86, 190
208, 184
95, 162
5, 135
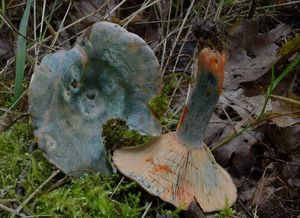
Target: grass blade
21, 52
291, 66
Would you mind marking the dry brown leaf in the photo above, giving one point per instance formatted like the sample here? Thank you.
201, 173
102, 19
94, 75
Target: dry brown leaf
286, 141
237, 153
251, 54
6, 48
85, 7
243, 105
285, 114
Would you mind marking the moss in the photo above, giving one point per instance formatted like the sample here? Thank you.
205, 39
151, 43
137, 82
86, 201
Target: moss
22, 172
17, 165
88, 196
116, 133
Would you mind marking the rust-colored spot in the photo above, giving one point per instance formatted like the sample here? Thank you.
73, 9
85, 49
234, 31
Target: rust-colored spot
184, 112
181, 193
135, 46
149, 159
214, 62
184, 194
162, 169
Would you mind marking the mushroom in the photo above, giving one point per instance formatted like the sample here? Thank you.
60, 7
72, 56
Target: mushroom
178, 167
109, 74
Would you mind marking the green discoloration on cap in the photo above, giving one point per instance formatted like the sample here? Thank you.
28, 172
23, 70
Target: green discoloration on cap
110, 74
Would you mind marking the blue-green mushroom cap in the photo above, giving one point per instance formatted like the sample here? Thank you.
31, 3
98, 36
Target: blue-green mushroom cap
109, 74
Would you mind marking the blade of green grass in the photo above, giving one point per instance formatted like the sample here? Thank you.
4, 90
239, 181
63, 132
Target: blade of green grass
275, 82
291, 66
273, 85
289, 100
21, 52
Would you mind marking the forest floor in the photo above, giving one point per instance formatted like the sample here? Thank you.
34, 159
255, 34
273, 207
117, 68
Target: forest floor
254, 132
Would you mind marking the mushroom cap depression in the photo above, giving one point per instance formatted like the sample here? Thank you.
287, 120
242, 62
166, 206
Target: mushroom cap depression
109, 74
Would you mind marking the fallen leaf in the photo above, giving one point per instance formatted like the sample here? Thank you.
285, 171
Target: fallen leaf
251, 54
284, 114
243, 105
99, 8
268, 198
236, 154
286, 141
6, 45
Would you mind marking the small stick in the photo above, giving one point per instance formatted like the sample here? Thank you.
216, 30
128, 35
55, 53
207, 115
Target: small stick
147, 209
244, 208
3, 207
34, 193
252, 9
219, 9
229, 119
116, 187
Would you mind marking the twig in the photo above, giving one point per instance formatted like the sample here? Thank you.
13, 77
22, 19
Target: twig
82, 31
61, 25
11, 123
219, 9
229, 119
147, 209
3, 207
85, 17
207, 9
278, 5
114, 9
244, 208
58, 183
14, 104
116, 188
289, 100
181, 48
165, 41
283, 161
178, 35
252, 9
7, 200
14, 29
260, 190
34, 193
271, 6
128, 19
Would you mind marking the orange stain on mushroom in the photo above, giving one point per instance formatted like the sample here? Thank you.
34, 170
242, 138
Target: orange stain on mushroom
214, 62
150, 159
184, 112
161, 168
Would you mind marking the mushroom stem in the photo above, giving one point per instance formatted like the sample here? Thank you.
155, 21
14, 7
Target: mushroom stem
177, 166
203, 98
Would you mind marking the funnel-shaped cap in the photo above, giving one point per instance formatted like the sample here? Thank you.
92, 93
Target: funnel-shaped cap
109, 74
